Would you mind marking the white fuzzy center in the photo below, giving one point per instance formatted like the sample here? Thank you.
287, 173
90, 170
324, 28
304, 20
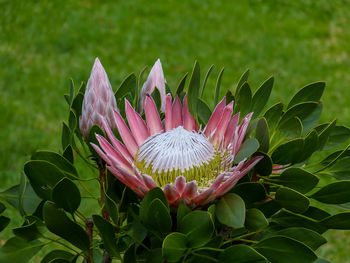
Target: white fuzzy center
177, 149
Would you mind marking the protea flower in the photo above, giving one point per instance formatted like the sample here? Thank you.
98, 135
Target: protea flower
191, 165
99, 101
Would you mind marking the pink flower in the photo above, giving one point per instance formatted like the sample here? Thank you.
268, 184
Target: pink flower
155, 80
192, 166
99, 101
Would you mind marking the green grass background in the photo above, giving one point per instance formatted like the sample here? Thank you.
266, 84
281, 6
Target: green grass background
44, 43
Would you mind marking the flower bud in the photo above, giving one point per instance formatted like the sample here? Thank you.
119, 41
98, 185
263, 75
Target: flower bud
99, 101
155, 79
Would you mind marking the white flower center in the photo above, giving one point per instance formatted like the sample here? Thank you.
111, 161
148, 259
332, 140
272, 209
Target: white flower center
175, 150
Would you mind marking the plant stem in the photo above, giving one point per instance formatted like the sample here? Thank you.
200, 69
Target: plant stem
102, 178
89, 228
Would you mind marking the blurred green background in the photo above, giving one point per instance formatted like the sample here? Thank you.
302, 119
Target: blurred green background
44, 43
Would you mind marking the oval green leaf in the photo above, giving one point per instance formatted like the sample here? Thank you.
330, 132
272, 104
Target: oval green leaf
230, 210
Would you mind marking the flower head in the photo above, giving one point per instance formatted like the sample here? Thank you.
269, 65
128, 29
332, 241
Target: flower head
99, 101
191, 165
154, 80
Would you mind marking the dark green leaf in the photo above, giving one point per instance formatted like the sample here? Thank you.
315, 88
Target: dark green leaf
248, 147
198, 228
204, 112
66, 136
298, 179
66, 195
264, 166
288, 153
301, 110
27, 231
269, 207
218, 84
58, 223
309, 237
324, 134
92, 138
147, 200
312, 119
230, 210
334, 193
338, 135
341, 169
250, 192
137, 232
193, 90
311, 92
273, 114
182, 210
337, 221
107, 233
4, 221
262, 135
316, 213
129, 85
112, 209
255, 220
242, 80
241, 254
58, 160
290, 129
261, 96
19, 250
43, 177
57, 254
200, 95
2, 207
158, 217
281, 249
68, 154
310, 145
78, 103
174, 246
157, 99
181, 85
243, 99
155, 256
292, 200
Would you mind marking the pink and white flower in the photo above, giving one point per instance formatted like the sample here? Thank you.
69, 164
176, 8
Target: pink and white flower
99, 101
191, 165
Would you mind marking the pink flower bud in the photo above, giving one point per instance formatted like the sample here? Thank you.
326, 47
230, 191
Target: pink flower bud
155, 80
99, 101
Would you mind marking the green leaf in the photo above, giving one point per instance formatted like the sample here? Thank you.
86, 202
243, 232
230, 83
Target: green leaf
68, 154
43, 177
218, 84
58, 254
19, 250
201, 91
324, 134
255, 220
157, 99
311, 92
155, 256
58, 160
297, 179
29, 231
273, 114
341, 169
240, 254
261, 96
334, 193
158, 217
250, 192
338, 221
78, 103
242, 80
181, 85
66, 136
2, 207
301, 110
292, 200
288, 153
137, 232
193, 90
198, 228
264, 166
4, 221
316, 213
230, 210
72, 120
248, 147
338, 135
92, 138
269, 207
112, 208
29, 200
58, 223
66, 195
310, 145
333, 157
182, 210
281, 249
107, 233
243, 99
286, 218
306, 236
147, 200
129, 85
312, 119
290, 129
174, 247
204, 112
262, 135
